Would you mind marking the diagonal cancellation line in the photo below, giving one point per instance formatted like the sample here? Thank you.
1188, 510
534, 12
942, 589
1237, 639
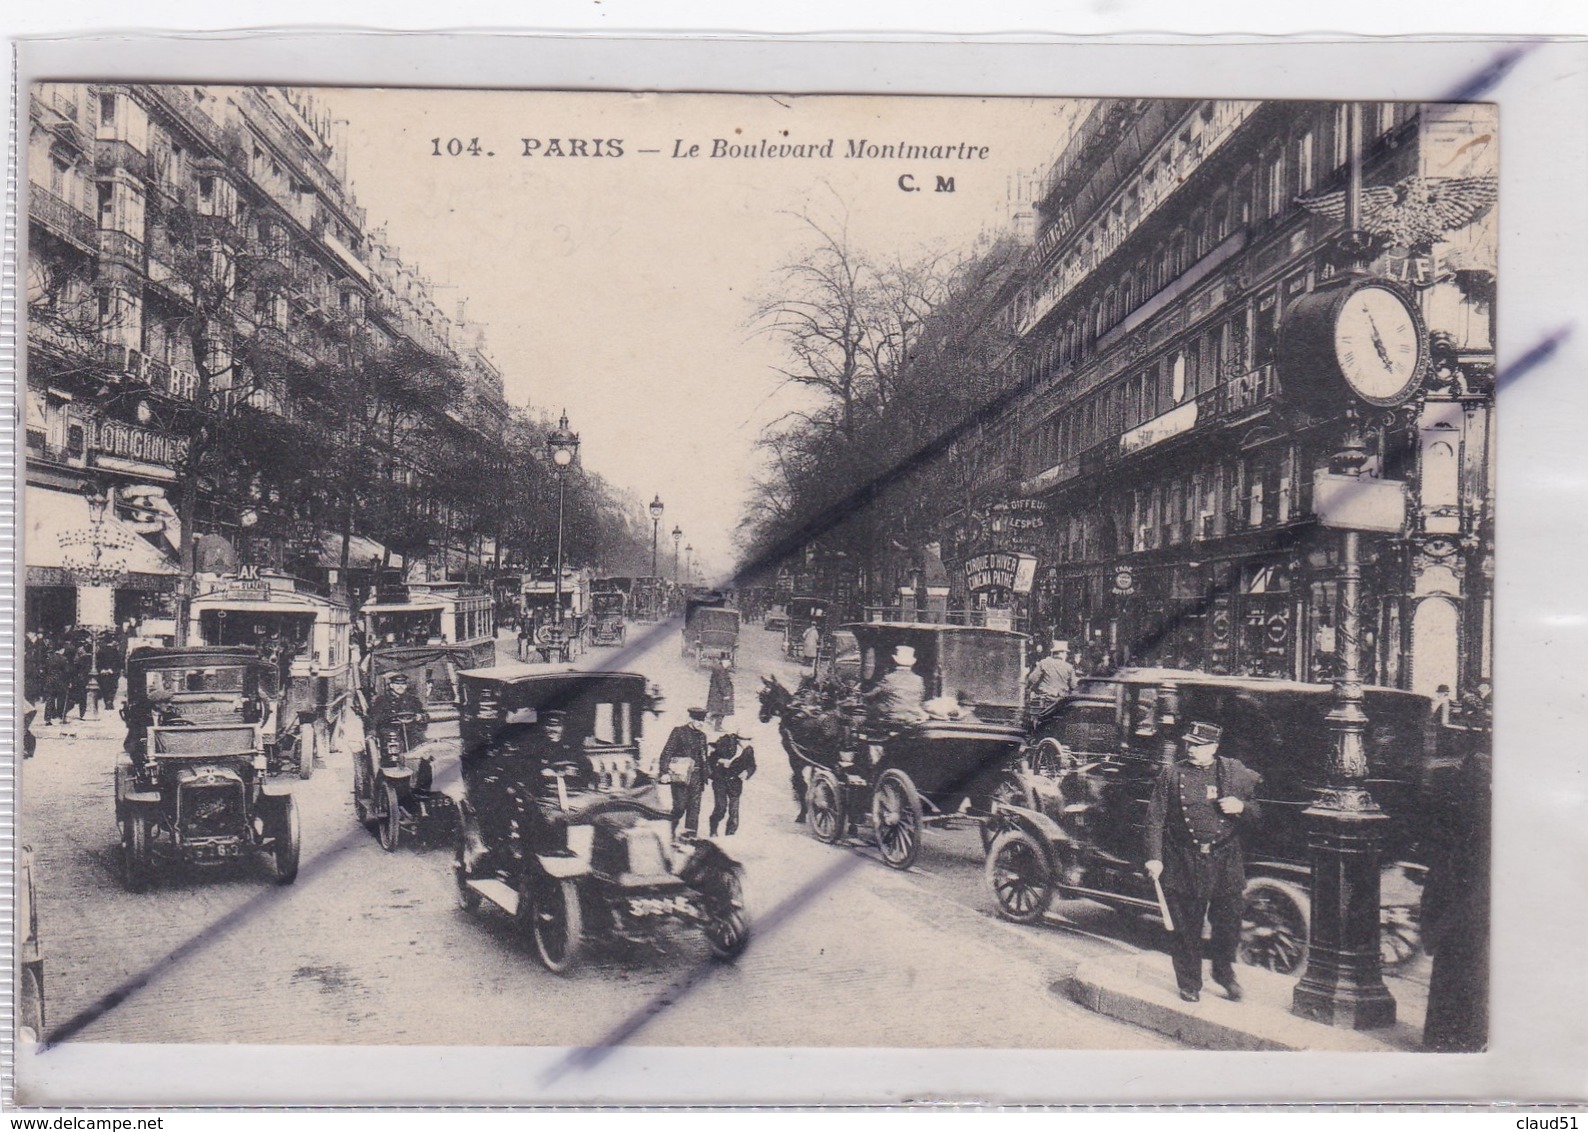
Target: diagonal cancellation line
589, 1057
1531, 360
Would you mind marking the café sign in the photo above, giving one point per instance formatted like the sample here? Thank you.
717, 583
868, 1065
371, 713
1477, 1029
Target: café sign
1014, 572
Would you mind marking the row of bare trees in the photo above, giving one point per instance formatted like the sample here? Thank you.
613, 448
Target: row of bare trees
899, 364
308, 412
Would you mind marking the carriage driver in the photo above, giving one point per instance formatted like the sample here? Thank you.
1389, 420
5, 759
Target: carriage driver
898, 696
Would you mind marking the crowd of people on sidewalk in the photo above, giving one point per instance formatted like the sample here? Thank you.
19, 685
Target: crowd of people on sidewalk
60, 669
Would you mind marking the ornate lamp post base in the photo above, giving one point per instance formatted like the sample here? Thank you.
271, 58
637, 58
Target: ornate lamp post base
1342, 985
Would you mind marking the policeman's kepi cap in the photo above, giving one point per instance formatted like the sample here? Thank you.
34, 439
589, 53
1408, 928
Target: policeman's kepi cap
397, 678
553, 718
697, 713
1203, 734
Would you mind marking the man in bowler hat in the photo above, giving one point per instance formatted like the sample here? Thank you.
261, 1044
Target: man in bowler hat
1200, 805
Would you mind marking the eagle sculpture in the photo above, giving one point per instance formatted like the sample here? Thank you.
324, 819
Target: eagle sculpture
1417, 210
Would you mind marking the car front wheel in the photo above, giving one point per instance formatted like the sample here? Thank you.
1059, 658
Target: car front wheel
135, 862
288, 844
390, 817
1274, 925
1019, 876
727, 923
556, 922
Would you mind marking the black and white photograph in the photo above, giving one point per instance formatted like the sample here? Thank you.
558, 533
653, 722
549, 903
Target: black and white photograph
601, 569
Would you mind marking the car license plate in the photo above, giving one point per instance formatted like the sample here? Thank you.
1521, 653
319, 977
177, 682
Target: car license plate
658, 905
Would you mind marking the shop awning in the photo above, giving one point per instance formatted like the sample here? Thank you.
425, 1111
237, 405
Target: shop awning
361, 550
59, 534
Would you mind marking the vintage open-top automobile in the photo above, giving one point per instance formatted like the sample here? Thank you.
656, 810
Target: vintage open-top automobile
949, 766
564, 831
191, 781
1095, 755
394, 782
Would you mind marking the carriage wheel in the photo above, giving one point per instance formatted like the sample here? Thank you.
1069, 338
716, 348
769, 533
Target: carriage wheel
825, 808
1017, 872
1048, 759
1274, 925
555, 921
307, 745
1008, 791
390, 815
896, 817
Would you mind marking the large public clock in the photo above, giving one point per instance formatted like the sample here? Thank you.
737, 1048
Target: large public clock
1359, 336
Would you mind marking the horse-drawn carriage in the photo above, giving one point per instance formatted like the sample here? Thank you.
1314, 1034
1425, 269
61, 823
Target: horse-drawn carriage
955, 756
306, 635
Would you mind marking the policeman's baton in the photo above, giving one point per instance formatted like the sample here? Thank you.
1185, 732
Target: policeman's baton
1163, 906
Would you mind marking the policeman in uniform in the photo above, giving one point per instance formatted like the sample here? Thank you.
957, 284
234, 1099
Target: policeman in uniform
1200, 805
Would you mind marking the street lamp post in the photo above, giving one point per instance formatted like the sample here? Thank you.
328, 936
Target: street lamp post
94, 573
656, 525
689, 565
678, 536
563, 445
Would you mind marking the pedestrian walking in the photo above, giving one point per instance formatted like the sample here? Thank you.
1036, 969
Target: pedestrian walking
57, 683
82, 671
732, 764
719, 694
110, 661
810, 645
34, 653
684, 764
1200, 806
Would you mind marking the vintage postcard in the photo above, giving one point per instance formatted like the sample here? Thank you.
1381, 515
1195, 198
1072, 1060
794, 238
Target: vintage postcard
610, 570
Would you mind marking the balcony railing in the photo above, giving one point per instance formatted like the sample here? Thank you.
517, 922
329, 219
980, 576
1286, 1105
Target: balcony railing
181, 102
61, 218
121, 248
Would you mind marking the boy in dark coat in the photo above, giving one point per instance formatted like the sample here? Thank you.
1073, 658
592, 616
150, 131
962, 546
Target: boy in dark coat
732, 764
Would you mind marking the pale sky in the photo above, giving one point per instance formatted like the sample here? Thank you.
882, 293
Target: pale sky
622, 288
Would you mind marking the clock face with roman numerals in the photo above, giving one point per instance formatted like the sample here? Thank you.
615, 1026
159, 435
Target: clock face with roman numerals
1377, 344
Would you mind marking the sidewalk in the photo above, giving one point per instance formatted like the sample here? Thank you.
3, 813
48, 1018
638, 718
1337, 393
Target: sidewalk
1141, 990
